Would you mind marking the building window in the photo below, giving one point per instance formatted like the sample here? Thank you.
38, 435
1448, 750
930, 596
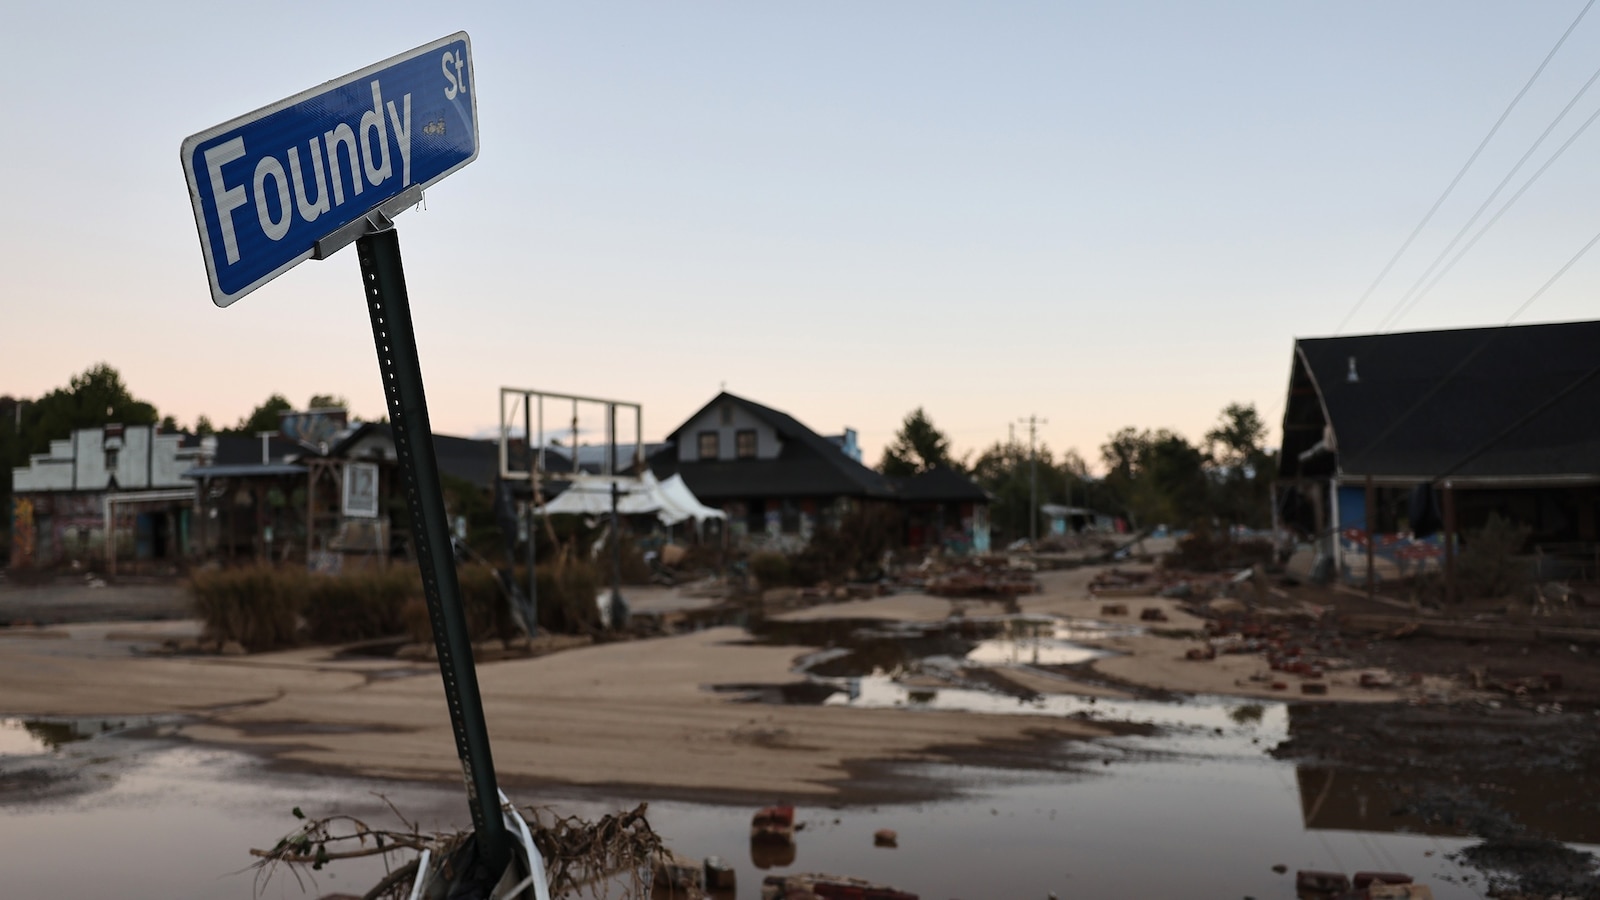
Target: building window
744, 443
726, 412
111, 459
708, 445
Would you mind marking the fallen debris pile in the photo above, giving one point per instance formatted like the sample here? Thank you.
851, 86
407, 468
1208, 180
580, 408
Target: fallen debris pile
827, 887
1116, 582
575, 852
980, 576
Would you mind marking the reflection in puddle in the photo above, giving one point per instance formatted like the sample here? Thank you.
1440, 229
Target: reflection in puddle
853, 648
30, 737
1141, 827
929, 666
17, 739
1194, 808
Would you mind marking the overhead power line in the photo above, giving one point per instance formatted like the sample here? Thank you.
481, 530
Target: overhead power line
1406, 303
1394, 424
1466, 248
1468, 165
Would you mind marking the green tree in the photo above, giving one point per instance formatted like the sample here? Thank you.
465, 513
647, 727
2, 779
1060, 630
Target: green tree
1006, 471
1155, 477
918, 446
94, 398
264, 417
13, 453
328, 401
1241, 466
1179, 492
1237, 438
203, 426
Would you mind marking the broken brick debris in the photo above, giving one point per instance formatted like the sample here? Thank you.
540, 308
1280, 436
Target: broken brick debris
827, 887
1313, 881
773, 824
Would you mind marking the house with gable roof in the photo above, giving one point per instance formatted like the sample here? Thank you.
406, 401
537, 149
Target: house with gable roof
777, 479
1400, 436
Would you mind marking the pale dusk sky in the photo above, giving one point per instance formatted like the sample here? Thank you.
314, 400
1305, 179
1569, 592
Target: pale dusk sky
1105, 214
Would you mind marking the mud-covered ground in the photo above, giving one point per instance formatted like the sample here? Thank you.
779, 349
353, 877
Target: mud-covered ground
84, 598
1505, 749
1522, 781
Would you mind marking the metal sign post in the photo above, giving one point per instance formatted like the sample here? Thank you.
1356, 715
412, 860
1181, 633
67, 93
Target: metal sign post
390, 310
300, 179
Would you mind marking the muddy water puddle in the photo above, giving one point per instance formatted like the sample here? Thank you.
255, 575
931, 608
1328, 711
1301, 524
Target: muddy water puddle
856, 648
177, 821
32, 736
1192, 805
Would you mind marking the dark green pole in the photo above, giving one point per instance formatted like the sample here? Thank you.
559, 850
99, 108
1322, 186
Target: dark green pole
384, 282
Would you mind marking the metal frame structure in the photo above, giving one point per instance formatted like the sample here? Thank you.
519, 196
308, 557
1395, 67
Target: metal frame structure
533, 401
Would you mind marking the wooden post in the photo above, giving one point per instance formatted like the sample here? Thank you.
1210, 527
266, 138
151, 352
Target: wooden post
1449, 544
260, 495
313, 475
111, 536
1372, 538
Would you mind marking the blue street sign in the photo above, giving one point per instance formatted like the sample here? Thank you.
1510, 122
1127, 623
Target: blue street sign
270, 186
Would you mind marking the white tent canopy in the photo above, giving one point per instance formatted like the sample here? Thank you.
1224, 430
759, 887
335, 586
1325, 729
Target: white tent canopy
670, 500
680, 503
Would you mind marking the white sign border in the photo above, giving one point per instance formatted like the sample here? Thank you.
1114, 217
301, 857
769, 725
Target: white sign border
186, 154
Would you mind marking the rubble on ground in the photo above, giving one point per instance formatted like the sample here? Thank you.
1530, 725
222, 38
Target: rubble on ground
814, 886
982, 576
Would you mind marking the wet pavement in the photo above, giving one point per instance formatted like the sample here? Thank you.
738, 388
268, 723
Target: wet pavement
1208, 815
1189, 803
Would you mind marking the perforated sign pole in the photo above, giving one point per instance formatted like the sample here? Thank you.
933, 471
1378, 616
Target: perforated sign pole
384, 282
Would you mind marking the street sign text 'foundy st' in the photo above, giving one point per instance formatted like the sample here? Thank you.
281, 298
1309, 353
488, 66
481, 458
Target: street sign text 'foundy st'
268, 186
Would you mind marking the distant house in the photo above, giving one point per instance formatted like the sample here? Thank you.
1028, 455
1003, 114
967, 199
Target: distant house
246, 486
777, 480
1397, 435
1071, 519
944, 508
125, 481
469, 459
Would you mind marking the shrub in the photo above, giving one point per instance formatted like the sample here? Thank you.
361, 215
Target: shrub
1203, 551
482, 601
360, 605
567, 591
565, 604
770, 569
1489, 566
259, 607
853, 550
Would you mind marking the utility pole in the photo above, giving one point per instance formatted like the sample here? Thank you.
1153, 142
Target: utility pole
1033, 423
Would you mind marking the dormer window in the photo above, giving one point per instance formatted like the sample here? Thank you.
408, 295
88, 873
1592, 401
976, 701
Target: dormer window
744, 443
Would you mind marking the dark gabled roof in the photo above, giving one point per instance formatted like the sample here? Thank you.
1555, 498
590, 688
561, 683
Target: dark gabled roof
468, 458
245, 470
808, 465
940, 484
1508, 402
244, 450
477, 461
782, 477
